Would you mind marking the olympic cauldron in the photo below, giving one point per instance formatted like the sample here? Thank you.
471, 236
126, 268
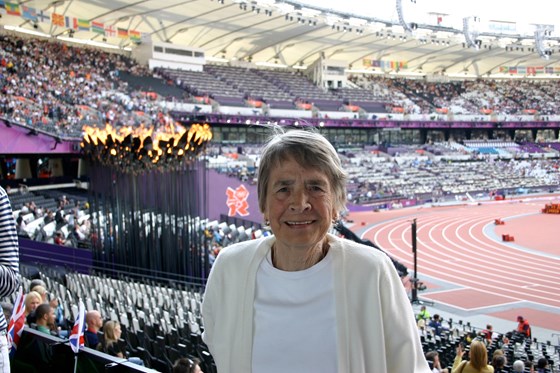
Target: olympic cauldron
148, 193
140, 149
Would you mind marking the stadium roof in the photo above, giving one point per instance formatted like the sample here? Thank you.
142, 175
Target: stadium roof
406, 39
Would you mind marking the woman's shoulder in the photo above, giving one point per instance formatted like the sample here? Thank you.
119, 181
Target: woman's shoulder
356, 251
244, 248
243, 252
113, 348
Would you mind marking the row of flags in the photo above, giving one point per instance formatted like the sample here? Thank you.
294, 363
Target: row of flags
393, 65
514, 70
60, 20
17, 322
529, 70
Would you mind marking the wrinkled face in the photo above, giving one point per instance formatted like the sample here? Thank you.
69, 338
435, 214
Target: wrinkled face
299, 205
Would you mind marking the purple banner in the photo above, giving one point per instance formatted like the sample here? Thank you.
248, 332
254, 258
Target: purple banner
233, 197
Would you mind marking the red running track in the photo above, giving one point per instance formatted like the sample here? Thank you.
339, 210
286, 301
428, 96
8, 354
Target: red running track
461, 248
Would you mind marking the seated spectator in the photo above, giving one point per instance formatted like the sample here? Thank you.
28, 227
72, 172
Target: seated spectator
421, 324
45, 319
110, 344
20, 225
542, 365
59, 218
478, 359
432, 357
499, 364
94, 323
59, 239
32, 301
36, 282
60, 322
518, 366
186, 365
487, 333
423, 314
42, 292
49, 217
435, 324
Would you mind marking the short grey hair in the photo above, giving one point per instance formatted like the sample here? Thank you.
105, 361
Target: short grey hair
518, 366
311, 150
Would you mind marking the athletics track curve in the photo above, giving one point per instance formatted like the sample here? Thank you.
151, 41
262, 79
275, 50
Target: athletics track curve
464, 262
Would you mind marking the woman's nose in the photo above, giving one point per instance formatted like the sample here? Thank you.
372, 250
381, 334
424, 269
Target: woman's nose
300, 201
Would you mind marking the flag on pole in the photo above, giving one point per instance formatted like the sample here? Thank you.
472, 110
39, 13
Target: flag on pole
17, 321
134, 35
110, 31
43, 16
83, 25
67, 22
57, 19
12, 9
77, 336
98, 28
29, 13
122, 32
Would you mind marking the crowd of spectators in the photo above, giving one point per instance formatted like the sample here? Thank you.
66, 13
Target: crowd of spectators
457, 347
59, 88
422, 176
503, 97
67, 223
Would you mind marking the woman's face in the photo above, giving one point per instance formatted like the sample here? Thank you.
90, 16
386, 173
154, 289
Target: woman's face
118, 331
299, 205
33, 303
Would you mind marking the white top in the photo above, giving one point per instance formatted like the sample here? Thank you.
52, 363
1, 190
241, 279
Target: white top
294, 319
375, 325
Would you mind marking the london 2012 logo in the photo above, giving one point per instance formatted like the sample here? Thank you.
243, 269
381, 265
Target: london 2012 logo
237, 201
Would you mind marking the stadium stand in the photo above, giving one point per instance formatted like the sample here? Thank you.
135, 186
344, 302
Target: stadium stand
85, 86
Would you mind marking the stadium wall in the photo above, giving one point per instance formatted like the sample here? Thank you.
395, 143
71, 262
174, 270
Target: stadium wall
19, 140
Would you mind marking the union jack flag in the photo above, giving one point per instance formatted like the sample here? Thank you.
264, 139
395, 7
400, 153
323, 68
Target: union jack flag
17, 321
77, 336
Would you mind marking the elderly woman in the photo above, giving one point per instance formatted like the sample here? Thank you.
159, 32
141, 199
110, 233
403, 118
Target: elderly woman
304, 296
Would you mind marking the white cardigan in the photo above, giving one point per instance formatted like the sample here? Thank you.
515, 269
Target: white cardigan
375, 324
